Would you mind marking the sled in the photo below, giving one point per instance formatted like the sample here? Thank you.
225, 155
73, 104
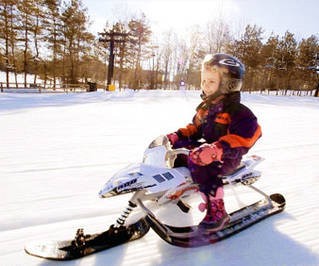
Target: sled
156, 179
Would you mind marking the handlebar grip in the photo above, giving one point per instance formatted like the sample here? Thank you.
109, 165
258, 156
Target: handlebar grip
182, 151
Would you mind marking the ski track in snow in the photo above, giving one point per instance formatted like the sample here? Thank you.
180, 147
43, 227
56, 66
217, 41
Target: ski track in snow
57, 150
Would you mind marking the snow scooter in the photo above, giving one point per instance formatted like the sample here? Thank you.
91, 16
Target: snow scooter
157, 180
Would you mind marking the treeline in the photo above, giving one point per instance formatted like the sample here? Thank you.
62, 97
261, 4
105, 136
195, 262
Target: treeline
280, 63
45, 38
51, 40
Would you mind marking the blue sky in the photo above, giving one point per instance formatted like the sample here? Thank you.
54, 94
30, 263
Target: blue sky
278, 16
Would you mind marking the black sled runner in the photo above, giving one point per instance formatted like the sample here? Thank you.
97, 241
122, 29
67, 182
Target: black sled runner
157, 180
83, 245
192, 236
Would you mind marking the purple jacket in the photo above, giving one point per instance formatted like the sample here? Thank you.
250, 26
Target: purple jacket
228, 122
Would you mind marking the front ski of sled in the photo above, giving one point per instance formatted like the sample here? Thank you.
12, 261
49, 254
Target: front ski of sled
68, 249
241, 219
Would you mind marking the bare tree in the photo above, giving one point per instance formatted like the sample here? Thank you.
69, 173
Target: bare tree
217, 36
167, 53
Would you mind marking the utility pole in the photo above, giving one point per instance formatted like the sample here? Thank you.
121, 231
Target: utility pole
112, 37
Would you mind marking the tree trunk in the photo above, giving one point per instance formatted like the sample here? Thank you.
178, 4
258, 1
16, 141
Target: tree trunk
6, 30
36, 48
25, 63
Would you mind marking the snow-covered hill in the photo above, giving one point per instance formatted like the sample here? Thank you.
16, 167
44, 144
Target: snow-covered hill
20, 78
57, 150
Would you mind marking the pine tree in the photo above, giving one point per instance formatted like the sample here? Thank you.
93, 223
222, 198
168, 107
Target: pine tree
52, 24
307, 60
286, 60
77, 39
37, 31
7, 36
139, 36
269, 52
26, 12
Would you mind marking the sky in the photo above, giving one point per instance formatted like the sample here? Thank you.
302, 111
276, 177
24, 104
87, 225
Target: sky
277, 16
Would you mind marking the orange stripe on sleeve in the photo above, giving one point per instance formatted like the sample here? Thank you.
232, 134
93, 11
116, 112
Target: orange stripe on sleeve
190, 130
238, 141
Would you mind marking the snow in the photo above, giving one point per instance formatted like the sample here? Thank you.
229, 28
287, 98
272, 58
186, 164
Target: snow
20, 77
57, 151
20, 83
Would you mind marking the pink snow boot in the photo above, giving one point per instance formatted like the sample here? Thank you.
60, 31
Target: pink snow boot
216, 216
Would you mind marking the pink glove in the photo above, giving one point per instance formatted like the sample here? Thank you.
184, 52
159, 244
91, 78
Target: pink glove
173, 138
206, 154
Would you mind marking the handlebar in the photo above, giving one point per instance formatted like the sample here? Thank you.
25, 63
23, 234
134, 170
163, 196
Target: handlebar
182, 151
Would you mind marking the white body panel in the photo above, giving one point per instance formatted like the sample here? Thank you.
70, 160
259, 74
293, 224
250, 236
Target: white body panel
156, 176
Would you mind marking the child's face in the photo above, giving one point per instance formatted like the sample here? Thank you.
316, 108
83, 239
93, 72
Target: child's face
210, 80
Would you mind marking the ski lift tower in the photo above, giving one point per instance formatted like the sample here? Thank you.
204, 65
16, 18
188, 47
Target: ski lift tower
112, 37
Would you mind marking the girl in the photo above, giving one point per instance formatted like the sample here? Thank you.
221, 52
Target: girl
227, 127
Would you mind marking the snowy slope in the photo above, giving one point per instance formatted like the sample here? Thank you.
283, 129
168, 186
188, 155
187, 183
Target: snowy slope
57, 150
20, 78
